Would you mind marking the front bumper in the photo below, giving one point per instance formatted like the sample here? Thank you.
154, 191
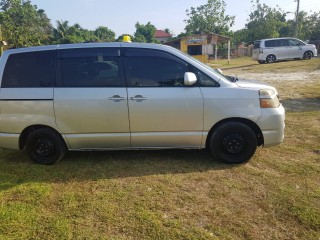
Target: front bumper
272, 125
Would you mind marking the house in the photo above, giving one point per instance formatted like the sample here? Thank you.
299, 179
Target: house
201, 46
162, 36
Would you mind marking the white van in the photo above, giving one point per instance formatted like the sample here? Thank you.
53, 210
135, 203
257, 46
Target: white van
274, 49
113, 96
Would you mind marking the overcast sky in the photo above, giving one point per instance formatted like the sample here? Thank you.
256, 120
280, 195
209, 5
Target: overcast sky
121, 15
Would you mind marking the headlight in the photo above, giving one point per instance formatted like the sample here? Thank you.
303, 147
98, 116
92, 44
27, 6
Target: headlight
268, 98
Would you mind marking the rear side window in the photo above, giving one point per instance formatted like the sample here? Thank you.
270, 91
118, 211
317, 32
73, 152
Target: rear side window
90, 68
30, 70
270, 43
281, 43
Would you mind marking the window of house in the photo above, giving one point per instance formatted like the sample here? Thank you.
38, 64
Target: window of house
195, 50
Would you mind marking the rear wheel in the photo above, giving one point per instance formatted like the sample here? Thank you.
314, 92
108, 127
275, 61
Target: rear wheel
233, 142
45, 146
271, 59
307, 55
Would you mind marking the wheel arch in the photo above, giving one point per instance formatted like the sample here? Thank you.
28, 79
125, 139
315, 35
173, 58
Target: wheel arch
26, 132
271, 54
309, 52
248, 122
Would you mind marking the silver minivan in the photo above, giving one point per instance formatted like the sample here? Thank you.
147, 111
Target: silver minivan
114, 96
274, 49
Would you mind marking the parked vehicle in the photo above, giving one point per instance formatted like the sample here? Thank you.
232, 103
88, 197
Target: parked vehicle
275, 49
113, 96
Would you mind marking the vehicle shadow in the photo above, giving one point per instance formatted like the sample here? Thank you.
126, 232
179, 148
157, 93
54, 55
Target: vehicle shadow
301, 104
17, 169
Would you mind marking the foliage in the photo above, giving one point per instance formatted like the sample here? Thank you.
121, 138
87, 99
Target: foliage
265, 22
23, 24
76, 34
72, 34
145, 33
104, 34
209, 18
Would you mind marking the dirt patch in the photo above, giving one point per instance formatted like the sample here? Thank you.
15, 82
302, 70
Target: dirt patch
302, 105
267, 77
290, 87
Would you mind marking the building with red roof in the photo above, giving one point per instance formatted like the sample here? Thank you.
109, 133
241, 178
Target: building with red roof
162, 36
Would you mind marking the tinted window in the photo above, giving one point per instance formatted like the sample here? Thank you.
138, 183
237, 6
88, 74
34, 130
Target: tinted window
33, 69
204, 80
90, 68
281, 43
295, 42
270, 43
148, 68
256, 44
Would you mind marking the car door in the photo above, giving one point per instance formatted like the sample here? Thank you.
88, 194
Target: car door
91, 101
163, 111
295, 48
281, 48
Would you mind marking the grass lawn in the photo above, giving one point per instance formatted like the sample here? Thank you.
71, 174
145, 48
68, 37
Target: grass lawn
173, 194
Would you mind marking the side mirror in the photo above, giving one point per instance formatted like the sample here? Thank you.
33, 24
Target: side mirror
189, 79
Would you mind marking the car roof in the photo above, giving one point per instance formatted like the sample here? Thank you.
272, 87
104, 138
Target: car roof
88, 45
266, 39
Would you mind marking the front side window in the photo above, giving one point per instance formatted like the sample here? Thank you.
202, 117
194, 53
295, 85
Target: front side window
30, 70
90, 68
295, 42
152, 68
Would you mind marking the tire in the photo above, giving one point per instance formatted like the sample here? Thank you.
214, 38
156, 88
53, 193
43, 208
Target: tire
233, 142
271, 58
45, 146
307, 55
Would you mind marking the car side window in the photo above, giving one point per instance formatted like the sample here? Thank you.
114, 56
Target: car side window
152, 68
90, 68
30, 70
295, 42
281, 43
270, 43
204, 80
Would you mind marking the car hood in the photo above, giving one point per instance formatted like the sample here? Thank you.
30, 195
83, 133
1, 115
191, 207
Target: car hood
244, 83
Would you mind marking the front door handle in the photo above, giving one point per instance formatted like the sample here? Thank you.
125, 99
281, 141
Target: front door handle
117, 98
138, 98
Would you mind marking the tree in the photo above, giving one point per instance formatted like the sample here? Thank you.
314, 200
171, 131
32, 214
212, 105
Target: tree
104, 34
23, 24
209, 18
64, 33
265, 22
145, 33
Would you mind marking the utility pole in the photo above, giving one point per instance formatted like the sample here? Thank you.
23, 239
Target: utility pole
297, 19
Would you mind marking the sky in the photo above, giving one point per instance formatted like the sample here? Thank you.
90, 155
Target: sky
121, 15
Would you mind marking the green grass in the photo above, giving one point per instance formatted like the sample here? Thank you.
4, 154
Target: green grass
172, 194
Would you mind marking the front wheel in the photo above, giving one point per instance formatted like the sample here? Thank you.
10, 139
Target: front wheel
233, 142
45, 146
307, 55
